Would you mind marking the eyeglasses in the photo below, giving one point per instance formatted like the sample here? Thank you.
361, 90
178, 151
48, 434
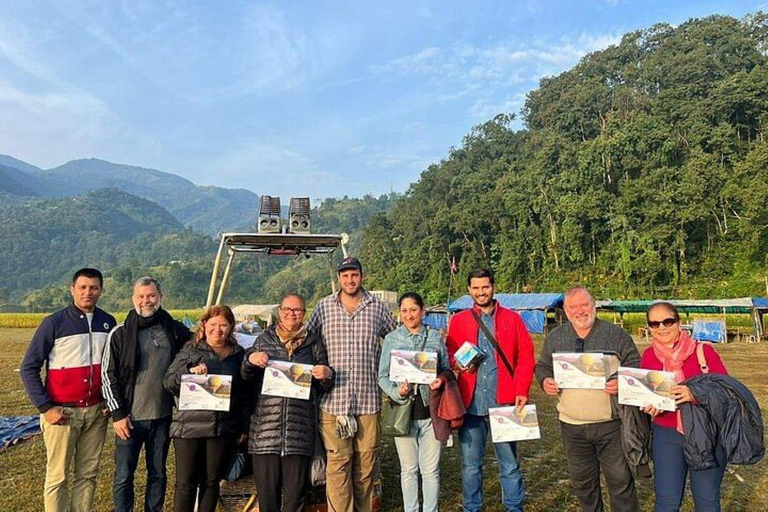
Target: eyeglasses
295, 311
579, 345
667, 322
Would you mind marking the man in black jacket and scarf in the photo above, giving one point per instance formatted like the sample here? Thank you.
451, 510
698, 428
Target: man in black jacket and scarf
136, 357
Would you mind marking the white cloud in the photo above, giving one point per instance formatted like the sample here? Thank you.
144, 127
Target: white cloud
496, 77
423, 61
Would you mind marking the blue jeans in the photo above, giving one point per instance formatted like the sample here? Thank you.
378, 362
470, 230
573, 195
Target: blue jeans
472, 437
670, 469
153, 435
419, 452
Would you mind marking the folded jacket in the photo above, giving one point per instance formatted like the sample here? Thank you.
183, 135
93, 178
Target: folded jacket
446, 407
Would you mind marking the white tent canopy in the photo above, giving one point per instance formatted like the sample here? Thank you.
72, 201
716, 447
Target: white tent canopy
264, 312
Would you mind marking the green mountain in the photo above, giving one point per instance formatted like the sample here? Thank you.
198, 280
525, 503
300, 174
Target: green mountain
17, 183
9, 161
206, 209
47, 238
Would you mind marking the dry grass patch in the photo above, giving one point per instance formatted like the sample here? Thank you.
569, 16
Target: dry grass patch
543, 462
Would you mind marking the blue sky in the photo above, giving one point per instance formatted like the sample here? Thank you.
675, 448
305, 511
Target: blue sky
289, 98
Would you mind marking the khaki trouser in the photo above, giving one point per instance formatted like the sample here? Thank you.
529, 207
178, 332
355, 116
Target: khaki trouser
81, 440
351, 463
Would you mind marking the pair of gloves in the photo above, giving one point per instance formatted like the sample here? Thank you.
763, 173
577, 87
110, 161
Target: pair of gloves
346, 427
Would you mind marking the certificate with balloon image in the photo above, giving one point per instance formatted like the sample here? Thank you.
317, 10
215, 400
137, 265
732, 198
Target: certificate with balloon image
412, 366
290, 380
205, 392
579, 370
646, 387
509, 424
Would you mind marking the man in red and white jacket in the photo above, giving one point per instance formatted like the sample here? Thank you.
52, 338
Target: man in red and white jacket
490, 384
69, 343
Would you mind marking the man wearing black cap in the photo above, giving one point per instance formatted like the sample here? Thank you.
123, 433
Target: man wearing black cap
351, 323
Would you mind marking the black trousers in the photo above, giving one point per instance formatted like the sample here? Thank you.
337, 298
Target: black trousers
590, 448
198, 465
281, 481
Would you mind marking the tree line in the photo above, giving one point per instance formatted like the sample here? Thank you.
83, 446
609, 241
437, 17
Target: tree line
641, 172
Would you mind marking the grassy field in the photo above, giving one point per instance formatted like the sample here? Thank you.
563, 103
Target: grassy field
543, 464
32, 320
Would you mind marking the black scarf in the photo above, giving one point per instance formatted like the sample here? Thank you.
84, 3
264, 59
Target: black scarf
134, 322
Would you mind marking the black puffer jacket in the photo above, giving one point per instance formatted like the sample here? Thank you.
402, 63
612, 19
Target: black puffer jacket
197, 424
727, 415
284, 426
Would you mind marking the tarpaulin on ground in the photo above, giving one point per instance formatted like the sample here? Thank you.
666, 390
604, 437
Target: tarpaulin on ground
709, 330
17, 428
531, 306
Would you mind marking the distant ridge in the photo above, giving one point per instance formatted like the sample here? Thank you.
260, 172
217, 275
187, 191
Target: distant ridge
16, 183
207, 209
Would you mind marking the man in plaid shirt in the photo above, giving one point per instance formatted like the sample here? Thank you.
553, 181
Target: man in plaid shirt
351, 322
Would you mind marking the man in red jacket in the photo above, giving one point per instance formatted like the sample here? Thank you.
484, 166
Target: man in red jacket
490, 383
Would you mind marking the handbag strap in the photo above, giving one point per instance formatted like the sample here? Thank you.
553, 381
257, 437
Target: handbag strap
702, 358
493, 341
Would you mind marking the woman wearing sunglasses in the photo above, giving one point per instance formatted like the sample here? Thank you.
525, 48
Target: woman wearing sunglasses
673, 350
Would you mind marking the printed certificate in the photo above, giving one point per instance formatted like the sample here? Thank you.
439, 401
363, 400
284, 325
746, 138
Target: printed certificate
579, 370
646, 387
205, 392
291, 380
509, 425
414, 367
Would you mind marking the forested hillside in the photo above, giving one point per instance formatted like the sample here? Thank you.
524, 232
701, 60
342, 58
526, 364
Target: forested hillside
46, 239
642, 171
207, 209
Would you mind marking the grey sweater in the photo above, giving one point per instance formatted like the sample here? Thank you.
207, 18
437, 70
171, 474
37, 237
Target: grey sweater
580, 406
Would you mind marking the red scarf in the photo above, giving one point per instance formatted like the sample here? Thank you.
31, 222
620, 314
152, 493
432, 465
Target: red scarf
672, 359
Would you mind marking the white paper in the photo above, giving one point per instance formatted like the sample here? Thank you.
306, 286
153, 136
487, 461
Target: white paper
245, 340
412, 366
291, 380
646, 387
507, 424
579, 370
205, 392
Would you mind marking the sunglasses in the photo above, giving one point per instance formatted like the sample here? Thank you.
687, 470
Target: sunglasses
667, 322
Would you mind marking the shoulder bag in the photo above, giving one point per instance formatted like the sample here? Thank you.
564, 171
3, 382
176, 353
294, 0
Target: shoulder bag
493, 341
395, 417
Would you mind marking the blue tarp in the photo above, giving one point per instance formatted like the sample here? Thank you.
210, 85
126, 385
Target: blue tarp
709, 330
18, 428
760, 302
516, 301
534, 320
531, 306
436, 320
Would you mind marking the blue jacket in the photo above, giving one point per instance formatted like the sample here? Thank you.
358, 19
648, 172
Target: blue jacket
728, 415
70, 350
402, 339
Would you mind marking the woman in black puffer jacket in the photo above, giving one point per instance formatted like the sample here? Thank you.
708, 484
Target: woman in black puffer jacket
282, 432
203, 437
